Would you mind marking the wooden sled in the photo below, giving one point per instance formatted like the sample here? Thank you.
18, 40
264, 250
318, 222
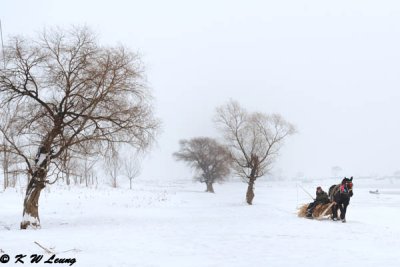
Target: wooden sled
321, 211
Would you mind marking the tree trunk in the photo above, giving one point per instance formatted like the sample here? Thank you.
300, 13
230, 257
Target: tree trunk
250, 192
31, 201
210, 188
5, 176
38, 180
67, 178
253, 176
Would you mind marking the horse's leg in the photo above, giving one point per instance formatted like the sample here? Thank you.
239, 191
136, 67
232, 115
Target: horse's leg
334, 211
343, 210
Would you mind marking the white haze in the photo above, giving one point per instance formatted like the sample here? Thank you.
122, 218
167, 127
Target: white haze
331, 68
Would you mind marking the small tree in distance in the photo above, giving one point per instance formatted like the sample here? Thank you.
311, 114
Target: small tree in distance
254, 140
132, 168
207, 157
112, 167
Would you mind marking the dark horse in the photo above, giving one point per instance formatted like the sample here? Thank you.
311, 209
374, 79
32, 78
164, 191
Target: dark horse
340, 195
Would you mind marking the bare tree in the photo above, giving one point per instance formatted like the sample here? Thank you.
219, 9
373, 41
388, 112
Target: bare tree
76, 167
254, 140
68, 166
207, 157
65, 91
112, 168
132, 168
88, 170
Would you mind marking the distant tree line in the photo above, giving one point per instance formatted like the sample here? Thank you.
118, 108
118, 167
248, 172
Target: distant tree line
74, 169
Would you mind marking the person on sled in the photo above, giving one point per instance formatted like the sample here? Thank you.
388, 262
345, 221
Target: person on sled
321, 198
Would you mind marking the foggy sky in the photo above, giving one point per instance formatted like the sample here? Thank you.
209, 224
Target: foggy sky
330, 67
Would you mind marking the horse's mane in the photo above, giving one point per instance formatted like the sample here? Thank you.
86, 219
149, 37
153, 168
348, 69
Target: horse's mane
333, 190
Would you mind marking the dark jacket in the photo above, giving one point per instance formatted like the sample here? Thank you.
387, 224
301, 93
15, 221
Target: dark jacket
322, 198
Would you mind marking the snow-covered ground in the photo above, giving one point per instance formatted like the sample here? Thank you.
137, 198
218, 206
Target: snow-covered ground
175, 223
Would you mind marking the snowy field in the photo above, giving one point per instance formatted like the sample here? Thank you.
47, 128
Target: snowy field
177, 224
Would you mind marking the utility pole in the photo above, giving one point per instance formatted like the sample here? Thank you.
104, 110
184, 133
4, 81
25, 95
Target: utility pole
5, 154
2, 45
